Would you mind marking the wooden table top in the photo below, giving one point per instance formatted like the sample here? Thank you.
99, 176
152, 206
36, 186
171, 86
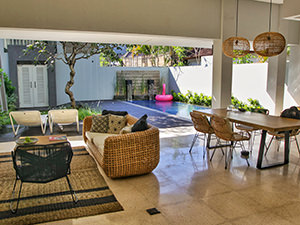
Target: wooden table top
44, 140
258, 120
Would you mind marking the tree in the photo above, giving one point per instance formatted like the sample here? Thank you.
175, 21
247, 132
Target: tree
72, 52
173, 55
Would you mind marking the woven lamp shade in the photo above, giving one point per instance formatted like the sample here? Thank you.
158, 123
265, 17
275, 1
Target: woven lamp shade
236, 47
269, 44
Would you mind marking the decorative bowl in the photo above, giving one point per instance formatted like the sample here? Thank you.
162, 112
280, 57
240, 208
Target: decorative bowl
21, 141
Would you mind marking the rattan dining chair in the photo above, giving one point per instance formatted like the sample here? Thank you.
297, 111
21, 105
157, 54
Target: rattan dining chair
41, 164
223, 130
294, 113
203, 130
252, 130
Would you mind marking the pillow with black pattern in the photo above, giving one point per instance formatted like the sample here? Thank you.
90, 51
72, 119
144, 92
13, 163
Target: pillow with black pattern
141, 124
99, 124
117, 113
116, 123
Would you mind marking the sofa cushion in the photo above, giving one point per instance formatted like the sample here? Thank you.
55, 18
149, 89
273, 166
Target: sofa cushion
90, 135
126, 129
99, 123
116, 123
117, 113
141, 124
98, 139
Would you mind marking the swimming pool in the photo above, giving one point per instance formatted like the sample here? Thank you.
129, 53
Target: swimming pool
175, 108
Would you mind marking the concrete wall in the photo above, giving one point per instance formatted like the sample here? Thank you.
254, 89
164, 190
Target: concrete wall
193, 78
250, 81
93, 82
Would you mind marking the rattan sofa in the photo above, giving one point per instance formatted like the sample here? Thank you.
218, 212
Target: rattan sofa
126, 154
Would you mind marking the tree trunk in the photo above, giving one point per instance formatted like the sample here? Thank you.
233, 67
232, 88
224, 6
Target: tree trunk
70, 84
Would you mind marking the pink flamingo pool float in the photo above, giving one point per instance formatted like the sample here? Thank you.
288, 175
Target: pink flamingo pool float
163, 97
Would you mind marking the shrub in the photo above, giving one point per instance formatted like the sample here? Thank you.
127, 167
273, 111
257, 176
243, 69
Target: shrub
204, 100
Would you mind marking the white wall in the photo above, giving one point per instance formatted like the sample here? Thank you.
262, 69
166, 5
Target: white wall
92, 82
250, 81
292, 81
193, 78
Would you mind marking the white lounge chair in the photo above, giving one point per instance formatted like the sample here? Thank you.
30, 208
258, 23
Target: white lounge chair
63, 117
28, 118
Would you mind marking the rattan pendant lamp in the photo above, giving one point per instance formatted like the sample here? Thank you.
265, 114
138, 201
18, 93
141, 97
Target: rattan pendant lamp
235, 47
269, 43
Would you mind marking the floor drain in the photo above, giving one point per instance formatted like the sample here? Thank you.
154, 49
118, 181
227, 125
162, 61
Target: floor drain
152, 211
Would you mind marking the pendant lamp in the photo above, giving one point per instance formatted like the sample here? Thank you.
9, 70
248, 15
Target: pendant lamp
235, 47
269, 43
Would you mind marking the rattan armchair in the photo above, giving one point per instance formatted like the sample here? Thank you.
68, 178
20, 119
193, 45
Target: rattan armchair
223, 130
41, 164
126, 154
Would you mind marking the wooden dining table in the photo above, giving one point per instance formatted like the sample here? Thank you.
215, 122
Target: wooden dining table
263, 122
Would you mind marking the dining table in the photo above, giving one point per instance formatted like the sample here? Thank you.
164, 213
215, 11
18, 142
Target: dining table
261, 121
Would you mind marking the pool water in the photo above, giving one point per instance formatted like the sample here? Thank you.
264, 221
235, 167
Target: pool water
175, 108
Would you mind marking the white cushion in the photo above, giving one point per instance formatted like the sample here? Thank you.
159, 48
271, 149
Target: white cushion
126, 130
98, 139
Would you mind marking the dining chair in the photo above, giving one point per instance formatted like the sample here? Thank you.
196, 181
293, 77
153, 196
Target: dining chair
252, 130
41, 164
223, 130
203, 130
292, 112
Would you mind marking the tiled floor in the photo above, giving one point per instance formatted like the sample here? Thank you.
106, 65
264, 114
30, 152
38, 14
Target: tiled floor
188, 189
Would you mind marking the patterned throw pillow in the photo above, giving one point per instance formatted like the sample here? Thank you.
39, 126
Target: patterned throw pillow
116, 123
99, 124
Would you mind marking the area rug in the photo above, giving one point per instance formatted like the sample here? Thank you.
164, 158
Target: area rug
52, 201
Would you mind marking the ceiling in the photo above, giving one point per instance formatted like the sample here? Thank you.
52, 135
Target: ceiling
273, 1
105, 37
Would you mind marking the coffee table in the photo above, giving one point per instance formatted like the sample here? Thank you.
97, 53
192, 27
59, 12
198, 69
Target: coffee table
44, 140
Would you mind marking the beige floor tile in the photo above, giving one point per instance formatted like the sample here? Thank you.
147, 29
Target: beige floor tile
233, 205
191, 212
289, 212
267, 195
266, 218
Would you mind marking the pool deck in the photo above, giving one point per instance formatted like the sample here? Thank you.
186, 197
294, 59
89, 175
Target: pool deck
159, 119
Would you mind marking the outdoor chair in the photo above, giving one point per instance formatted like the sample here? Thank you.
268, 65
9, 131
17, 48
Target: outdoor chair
28, 118
63, 117
201, 125
41, 164
252, 130
223, 130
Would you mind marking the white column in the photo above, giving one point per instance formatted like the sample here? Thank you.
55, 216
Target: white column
222, 65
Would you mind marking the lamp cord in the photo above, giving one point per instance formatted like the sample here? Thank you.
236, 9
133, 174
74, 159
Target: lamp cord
270, 16
237, 18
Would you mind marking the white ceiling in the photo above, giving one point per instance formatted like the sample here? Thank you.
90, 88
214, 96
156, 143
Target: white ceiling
273, 1
96, 37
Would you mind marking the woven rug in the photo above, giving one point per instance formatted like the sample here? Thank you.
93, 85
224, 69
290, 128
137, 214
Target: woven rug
52, 201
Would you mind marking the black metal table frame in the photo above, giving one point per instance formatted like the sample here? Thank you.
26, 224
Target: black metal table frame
262, 148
